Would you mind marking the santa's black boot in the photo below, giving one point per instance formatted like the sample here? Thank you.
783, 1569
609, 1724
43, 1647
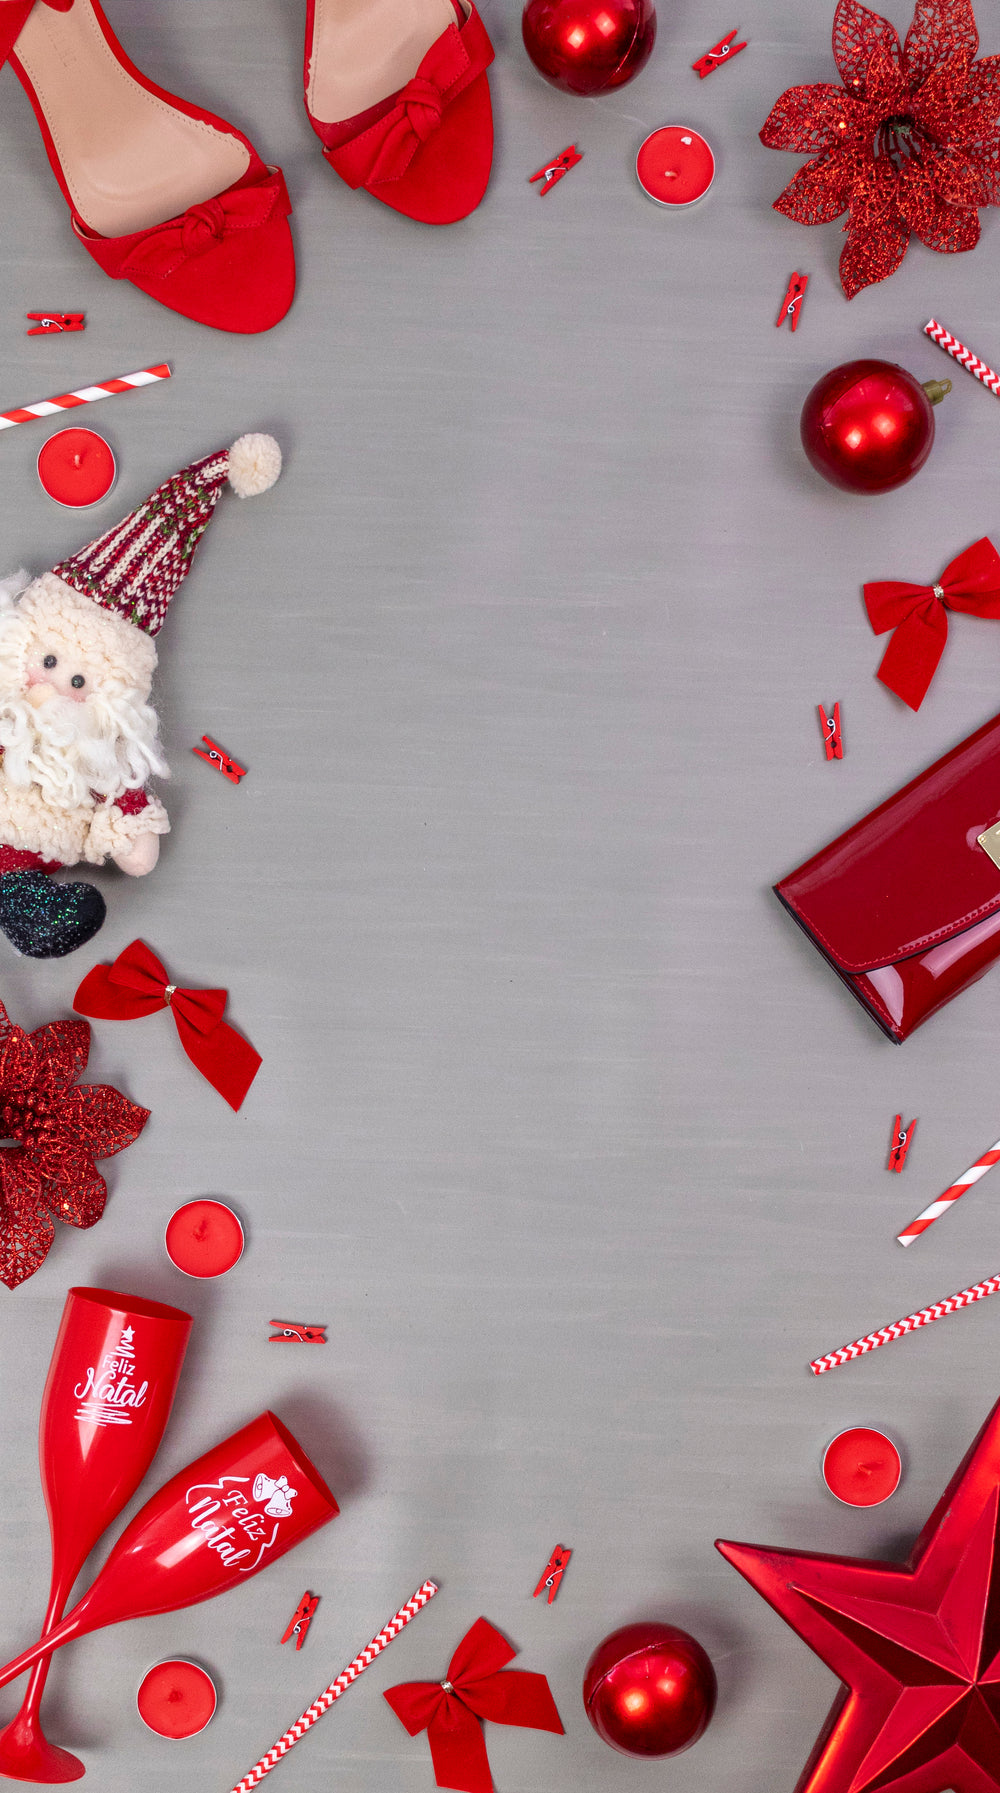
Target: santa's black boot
46, 920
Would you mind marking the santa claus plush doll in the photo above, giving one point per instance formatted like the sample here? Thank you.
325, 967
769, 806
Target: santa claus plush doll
78, 738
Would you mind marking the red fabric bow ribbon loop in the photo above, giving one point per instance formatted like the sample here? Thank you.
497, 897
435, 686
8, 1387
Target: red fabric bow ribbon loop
385, 150
449, 1710
918, 614
162, 250
136, 984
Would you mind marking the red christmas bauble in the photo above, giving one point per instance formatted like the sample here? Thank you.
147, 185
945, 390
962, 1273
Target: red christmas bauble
869, 426
649, 1690
589, 46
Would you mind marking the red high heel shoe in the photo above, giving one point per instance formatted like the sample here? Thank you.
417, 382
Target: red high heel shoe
396, 91
161, 193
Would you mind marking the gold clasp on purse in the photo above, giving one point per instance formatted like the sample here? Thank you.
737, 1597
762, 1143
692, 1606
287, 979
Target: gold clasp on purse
990, 843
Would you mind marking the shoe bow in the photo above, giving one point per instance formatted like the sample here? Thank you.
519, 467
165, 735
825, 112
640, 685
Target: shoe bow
385, 150
14, 15
163, 249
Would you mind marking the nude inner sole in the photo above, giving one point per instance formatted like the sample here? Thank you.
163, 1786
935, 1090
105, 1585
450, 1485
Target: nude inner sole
364, 50
128, 158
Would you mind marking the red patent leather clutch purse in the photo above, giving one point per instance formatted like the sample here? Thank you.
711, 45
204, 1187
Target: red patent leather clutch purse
906, 905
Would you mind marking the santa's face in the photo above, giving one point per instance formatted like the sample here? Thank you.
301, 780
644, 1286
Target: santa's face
74, 681
50, 674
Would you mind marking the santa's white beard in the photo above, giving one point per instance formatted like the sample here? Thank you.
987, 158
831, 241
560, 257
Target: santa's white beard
106, 745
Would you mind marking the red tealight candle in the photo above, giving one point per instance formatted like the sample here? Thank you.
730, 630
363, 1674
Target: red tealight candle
76, 467
204, 1238
862, 1467
675, 166
176, 1699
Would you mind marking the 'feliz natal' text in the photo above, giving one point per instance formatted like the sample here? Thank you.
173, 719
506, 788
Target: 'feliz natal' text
217, 1533
99, 1386
109, 1388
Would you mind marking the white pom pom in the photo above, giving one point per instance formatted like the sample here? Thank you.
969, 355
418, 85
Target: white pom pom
12, 587
254, 465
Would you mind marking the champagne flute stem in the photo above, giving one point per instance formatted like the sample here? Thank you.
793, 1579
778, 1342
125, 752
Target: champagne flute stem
72, 1627
59, 1589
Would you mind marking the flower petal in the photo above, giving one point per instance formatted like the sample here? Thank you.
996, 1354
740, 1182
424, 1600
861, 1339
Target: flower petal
21, 1065
20, 1180
78, 1197
957, 180
856, 31
877, 237
102, 1120
886, 90
24, 1243
966, 112
988, 173
817, 194
940, 28
65, 1049
810, 119
865, 260
937, 197
949, 229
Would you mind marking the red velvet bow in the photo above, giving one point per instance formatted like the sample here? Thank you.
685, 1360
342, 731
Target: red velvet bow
161, 251
136, 984
449, 1710
385, 150
918, 613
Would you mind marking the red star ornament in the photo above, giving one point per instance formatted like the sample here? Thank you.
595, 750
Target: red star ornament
917, 1646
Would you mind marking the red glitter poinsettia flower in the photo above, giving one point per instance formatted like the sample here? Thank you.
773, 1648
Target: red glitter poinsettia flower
60, 1129
911, 142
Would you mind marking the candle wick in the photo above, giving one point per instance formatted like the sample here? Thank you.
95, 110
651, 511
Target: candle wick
670, 174
78, 459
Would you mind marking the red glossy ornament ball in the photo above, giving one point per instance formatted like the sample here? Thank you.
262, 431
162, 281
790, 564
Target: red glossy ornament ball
869, 426
589, 46
649, 1690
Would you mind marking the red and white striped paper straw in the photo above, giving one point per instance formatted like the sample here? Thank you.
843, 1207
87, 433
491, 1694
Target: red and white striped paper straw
950, 1195
923, 1317
337, 1687
85, 395
962, 355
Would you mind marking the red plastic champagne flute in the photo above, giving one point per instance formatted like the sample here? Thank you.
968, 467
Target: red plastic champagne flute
107, 1398
224, 1518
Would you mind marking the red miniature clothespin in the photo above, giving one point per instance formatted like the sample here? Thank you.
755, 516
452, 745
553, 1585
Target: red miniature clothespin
293, 1332
553, 1572
832, 738
723, 51
901, 1137
54, 323
229, 768
554, 171
299, 1622
791, 305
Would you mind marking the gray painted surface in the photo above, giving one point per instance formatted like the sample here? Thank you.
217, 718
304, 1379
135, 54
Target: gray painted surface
562, 1127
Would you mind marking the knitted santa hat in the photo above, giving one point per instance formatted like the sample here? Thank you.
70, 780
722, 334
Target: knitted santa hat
135, 569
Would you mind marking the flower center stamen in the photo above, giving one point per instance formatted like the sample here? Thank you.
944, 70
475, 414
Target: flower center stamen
899, 138
30, 1119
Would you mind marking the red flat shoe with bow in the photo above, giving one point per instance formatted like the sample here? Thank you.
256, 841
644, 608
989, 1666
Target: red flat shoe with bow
161, 193
396, 91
